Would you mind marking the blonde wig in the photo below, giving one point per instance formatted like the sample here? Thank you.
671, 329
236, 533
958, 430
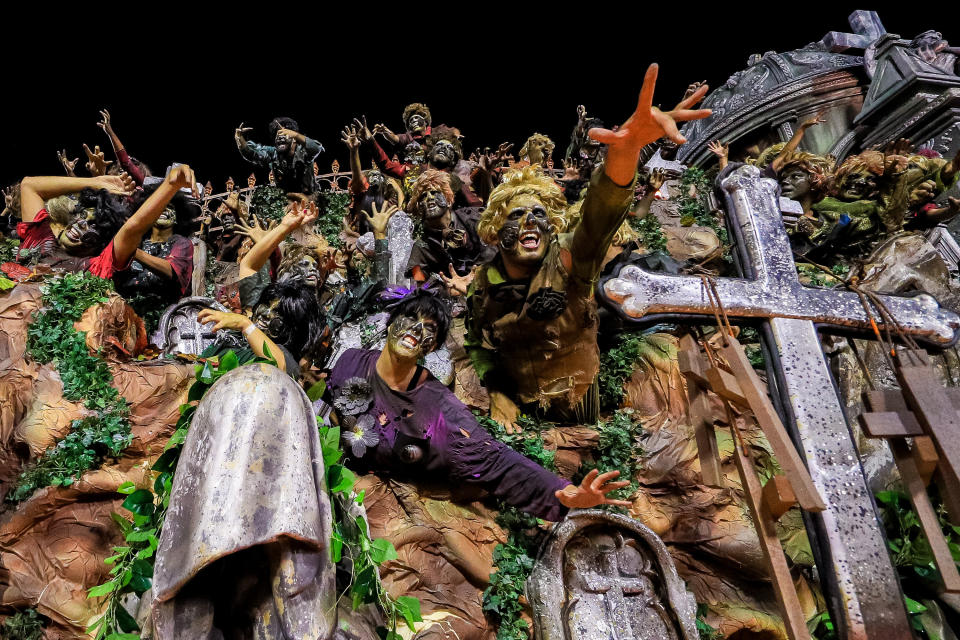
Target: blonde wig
528, 180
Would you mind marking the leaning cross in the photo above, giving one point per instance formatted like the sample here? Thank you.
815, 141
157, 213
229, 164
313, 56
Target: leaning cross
865, 597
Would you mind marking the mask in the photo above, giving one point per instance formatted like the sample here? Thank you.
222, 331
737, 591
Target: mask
416, 123
443, 154
268, 320
526, 233
375, 179
413, 154
282, 143
305, 270
432, 205
167, 219
80, 237
412, 337
859, 186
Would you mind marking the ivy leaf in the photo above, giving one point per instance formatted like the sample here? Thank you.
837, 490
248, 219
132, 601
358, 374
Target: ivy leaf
409, 608
382, 550
139, 502
102, 589
228, 362
126, 488
385, 634
340, 479
316, 391
126, 622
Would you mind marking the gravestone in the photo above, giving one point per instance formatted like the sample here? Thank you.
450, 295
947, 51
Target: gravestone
179, 331
604, 576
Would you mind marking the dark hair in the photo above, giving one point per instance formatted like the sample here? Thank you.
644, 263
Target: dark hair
428, 304
301, 312
111, 211
186, 207
443, 133
282, 123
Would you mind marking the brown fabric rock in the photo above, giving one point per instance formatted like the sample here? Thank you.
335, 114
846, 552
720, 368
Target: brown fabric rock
696, 244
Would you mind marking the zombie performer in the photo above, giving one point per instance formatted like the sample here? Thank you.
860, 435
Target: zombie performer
537, 149
290, 158
416, 121
396, 418
533, 315
162, 268
92, 233
449, 238
134, 168
367, 188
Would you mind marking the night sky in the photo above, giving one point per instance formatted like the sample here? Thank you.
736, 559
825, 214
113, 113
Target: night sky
178, 85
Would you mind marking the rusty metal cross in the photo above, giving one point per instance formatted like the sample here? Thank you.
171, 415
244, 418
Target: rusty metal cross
856, 570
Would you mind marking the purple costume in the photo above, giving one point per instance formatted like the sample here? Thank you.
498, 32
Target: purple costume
427, 431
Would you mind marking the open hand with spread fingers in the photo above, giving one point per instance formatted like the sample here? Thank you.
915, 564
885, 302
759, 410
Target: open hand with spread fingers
380, 219
68, 164
456, 284
593, 491
96, 163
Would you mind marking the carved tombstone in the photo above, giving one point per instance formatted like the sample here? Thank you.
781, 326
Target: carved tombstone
179, 331
604, 576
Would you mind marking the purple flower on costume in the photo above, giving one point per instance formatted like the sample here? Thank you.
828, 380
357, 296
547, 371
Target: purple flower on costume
360, 434
354, 397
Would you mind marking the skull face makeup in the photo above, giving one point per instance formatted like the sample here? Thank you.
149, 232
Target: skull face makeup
282, 143
80, 236
443, 154
412, 336
305, 270
374, 179
269, 320
416, 123
859, 185
432, 205
526, 233
167, 219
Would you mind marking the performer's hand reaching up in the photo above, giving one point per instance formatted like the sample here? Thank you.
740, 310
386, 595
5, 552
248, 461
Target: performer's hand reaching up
592, 491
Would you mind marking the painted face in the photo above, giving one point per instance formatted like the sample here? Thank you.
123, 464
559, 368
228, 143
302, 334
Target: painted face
252, 181
526, 233
375, 179
80, 236
281, 142
443, 154
228, 220
432, 205
416, 123
269, 320
795, 183
861, 185
167, 219
306, 270
412, 337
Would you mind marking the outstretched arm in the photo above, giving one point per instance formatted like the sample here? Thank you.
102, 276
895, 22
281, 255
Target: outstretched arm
261, 251
794, 142
611, 191
35, 191
118, 150
654, 182
254, 336
351, 138
127, 240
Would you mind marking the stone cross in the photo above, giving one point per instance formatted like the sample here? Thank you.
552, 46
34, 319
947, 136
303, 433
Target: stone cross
866, 27
862, 586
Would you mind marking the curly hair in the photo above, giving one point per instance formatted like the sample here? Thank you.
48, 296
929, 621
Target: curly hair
528, 180
768, 155
818, 167
443, 133
548, 145
292, 254
416, 107
872, 161
282, 123
430, 180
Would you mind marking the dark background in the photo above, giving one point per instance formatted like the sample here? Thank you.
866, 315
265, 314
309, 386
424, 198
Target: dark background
178, 81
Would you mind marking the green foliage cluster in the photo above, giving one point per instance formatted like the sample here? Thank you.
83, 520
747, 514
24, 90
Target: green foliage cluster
651, 232
8, 249
514, 560
912, 556
817, 278
704, 630
268, 203
23, 625
52, 338
333, 205
693, 209
617, 451
749, 337
619, 363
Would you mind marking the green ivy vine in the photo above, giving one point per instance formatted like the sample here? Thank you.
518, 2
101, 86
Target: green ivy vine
333, 205
85, 377
619, 363
23, 625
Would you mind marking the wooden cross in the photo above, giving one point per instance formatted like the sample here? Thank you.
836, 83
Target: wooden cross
858, 577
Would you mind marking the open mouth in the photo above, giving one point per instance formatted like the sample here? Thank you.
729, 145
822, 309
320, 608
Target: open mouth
530, 240
311, 280
409, 341
74, 234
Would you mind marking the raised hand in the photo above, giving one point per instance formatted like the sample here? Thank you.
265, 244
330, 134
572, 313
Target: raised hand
68, 165
592, 491
382, 129
815, 120
96, 164
719, 149
253, 231
240, 133
8, 195
181, 177
223, 320
363, 131
380, 219
350, 137
105, 122
581, 112
656, 179
457, 285
122, 184
647, 124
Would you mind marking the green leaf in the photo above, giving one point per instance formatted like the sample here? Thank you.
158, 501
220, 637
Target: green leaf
167, 461
268, 357
102, 589
123, 636
228, 362
316, 391
382, 550
123, 523
126, 622
913, 606
126, 488
409, 608
340, 479
139, 502
6, 283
